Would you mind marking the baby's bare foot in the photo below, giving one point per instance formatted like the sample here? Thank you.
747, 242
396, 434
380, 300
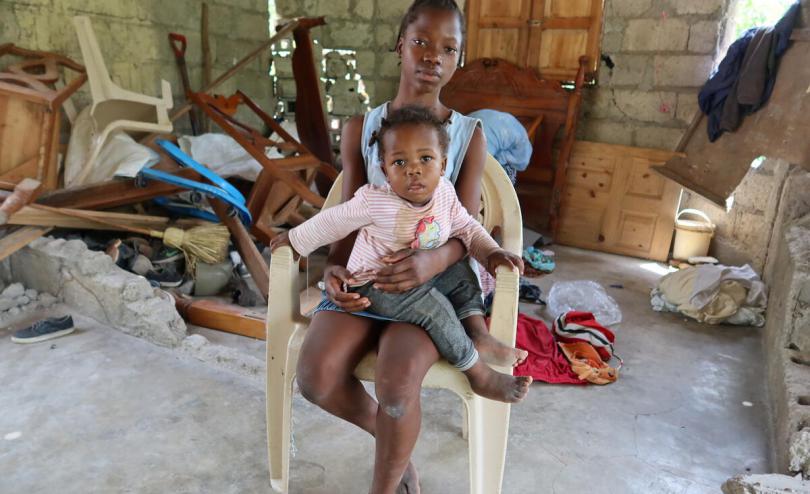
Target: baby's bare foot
410, 481
496, 386
496, 353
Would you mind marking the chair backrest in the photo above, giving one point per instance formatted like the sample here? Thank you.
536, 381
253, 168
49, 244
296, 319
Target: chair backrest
499, 204
97, 75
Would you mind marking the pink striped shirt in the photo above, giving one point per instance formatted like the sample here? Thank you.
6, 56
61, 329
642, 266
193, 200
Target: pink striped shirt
388, 223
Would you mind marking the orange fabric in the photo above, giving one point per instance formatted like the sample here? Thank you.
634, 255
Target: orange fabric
587, 364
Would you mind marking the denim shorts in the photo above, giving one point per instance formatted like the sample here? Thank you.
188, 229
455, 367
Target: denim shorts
437, 306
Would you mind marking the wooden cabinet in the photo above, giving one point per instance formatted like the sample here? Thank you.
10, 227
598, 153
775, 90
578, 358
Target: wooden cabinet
614, 203
547, 35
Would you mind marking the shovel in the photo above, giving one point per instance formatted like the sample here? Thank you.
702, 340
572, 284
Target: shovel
178, 42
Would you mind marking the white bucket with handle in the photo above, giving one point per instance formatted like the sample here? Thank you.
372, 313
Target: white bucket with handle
692, 235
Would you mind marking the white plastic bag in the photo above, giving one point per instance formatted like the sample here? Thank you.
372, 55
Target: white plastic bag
587, 296
120, 156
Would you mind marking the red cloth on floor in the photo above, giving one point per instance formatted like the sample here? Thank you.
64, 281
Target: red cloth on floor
545, 361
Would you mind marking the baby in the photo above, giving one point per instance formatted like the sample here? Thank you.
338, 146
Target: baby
418, 208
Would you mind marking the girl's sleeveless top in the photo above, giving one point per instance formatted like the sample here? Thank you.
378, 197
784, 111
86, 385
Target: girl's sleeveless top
459, 127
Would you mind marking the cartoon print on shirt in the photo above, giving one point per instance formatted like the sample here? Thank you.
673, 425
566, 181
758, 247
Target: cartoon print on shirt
428, 234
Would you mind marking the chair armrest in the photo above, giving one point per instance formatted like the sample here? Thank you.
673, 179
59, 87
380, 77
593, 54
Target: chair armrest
283, 300
503, 322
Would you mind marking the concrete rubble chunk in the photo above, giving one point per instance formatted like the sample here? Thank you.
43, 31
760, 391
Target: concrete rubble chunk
13, 291
22, 300
89, 282
800, 452
6, 304
46, 299
766, 484
31, 293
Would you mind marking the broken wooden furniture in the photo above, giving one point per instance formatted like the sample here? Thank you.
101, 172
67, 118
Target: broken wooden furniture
310, 114
30, 102
614, 203
218, 315
115, 192
113, 109
182, 110
14, 240
547, 36
544, 107
779, 130
41, 215
488, 420
283, 183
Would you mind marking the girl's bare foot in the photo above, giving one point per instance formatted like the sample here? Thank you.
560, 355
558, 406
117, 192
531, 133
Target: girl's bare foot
496, 386
410, 481
496, 353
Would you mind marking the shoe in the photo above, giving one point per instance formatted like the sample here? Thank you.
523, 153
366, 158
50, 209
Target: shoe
166, 278
141, 265
167, 255
121, 253
46, 329
239, 267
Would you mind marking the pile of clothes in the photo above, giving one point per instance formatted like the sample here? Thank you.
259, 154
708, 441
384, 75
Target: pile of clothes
577, 350
713, 294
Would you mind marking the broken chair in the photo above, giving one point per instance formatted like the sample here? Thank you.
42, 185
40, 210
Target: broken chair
487, 421
113, 109
284, 183
31, 96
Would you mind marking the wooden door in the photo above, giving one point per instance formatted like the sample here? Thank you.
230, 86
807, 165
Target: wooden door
614, 203
498, 29
547, 35
561, 31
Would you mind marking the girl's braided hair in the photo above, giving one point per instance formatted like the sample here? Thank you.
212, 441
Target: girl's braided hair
410, 115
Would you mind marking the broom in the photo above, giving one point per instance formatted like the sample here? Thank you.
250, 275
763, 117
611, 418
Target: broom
207, 243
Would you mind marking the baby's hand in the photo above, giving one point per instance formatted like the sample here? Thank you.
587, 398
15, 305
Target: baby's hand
281, 240
503, 258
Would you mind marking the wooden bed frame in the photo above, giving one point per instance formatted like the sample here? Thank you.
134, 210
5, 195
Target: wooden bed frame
547, 110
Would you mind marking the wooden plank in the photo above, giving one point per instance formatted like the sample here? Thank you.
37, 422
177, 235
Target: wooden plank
24, 193
33, 215
254, 262
779, 130
218, 315
19, 238
116, 192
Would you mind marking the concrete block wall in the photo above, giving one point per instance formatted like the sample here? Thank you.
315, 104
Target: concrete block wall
663, 51
366, 27
133, 36
744, 231
787, 329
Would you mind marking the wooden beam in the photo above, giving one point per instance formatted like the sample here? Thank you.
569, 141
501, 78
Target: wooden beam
218, 315
254, 262
19, 238
114, 193
34, 215
24, 192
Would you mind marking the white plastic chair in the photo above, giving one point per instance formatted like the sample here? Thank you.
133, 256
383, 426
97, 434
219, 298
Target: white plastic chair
113, 108
487, 421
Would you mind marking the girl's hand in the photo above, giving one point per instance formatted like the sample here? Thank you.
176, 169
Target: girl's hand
334, 279
503, 257
409, 268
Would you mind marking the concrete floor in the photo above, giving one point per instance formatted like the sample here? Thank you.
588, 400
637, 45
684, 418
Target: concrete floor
100, 411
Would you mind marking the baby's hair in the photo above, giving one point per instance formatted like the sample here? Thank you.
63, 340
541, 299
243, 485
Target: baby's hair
410, 115
418, 6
